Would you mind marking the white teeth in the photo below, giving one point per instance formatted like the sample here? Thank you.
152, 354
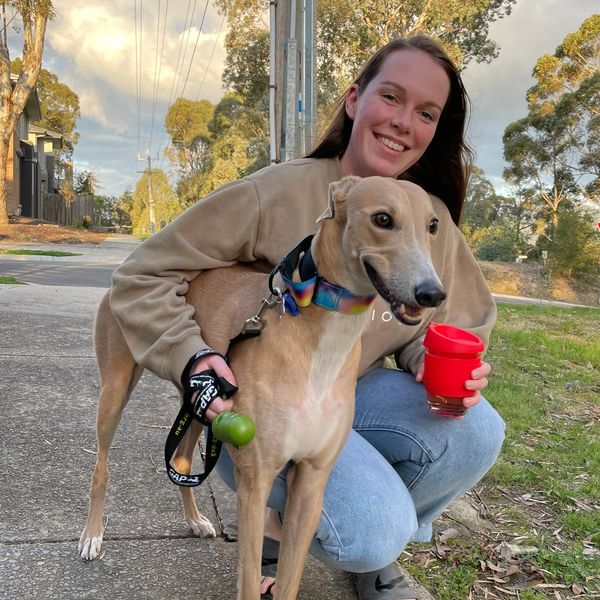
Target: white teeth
390, 144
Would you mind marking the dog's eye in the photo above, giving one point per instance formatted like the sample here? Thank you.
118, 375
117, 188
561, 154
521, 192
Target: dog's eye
383, 220
433, 226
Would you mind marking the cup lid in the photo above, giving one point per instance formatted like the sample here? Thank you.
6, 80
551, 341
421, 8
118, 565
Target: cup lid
441, 337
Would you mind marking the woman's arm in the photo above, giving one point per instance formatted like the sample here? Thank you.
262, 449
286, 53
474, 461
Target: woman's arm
148, 293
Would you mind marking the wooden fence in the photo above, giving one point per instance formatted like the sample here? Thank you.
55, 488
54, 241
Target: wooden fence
56, 210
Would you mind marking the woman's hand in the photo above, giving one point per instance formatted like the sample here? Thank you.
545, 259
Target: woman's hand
478, 383
221, 368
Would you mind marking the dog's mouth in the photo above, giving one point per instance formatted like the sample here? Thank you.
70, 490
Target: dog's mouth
405, 313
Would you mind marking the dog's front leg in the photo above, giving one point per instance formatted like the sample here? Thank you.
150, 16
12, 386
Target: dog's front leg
253, 488
302, 515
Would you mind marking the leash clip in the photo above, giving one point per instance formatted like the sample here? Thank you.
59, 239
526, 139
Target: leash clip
256, 323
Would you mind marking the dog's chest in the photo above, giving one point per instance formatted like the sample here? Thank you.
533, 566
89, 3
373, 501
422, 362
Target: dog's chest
317, 419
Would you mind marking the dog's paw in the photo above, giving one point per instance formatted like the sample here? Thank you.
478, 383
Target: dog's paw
89, 547
201, 526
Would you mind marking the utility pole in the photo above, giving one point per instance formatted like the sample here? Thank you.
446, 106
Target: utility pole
292, 99
292, 77
151, 203
309, 71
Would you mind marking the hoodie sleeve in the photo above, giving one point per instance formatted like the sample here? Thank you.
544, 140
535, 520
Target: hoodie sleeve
148, 289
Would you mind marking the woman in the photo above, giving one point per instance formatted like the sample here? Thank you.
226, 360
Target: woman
403, 117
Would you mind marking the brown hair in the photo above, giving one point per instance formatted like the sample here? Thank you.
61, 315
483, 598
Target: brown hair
443, 168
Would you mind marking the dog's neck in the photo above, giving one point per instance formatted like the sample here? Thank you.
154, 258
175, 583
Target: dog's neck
313, 286
333, 265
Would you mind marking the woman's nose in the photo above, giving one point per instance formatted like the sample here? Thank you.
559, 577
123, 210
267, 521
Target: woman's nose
401, 119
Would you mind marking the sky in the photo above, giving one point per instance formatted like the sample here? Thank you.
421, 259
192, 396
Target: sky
98, 50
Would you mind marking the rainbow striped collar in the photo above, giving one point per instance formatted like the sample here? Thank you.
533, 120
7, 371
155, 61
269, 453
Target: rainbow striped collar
313, 288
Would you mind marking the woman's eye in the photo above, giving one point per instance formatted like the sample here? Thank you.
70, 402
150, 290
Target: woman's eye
390, 97
427, 116
383, 220
433, 226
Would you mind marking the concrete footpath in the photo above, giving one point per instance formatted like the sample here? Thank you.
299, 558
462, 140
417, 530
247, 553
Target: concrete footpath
48, 395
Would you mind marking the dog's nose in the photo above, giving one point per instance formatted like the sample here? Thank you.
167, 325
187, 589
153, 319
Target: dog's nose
429, 294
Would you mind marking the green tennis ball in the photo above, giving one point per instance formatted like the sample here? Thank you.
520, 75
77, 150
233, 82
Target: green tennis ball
233, 428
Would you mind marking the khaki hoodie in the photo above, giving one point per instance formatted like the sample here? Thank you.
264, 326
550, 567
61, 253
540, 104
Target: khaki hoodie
258, 219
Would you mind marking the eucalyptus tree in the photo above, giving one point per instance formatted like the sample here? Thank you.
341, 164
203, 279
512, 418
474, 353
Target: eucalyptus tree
553, 153
34, 15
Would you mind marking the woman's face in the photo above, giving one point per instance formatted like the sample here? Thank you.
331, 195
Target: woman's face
396, 115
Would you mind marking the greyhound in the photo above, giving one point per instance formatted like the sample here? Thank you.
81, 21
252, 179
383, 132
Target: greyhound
297, 379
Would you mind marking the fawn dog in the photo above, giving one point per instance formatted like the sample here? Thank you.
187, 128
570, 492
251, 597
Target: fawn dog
297, 379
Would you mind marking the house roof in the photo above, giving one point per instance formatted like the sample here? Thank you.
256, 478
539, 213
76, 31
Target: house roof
32, 108
53, 136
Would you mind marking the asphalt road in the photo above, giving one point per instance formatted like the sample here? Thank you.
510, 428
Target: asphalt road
53, 273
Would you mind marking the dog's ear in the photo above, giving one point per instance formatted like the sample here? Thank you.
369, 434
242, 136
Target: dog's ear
337, 193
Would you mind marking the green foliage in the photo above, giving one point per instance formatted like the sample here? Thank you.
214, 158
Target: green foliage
10, 281
236, 145
38, 252
481, 202
60, 109
575, 247
494, 225
553, 153
186, 123
111, 211
85, 182
349, 32
246, 70
555, 149
247, 65
495, 242
166, 203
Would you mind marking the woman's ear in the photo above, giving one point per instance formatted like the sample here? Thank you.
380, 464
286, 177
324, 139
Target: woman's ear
350, 102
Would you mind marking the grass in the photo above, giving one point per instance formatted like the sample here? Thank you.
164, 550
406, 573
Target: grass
544, 491
10, 280
38, 252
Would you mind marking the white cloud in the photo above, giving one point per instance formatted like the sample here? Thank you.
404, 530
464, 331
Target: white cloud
98, 45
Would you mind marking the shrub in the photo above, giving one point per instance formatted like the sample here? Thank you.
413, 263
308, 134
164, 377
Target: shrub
494, 243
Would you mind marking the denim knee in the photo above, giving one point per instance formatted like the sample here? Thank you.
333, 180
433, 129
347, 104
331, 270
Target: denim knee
374, 538
482, 436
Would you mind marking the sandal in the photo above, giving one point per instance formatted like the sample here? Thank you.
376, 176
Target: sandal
386, 584
268, 568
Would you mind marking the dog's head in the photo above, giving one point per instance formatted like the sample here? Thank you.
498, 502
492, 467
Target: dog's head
378, 232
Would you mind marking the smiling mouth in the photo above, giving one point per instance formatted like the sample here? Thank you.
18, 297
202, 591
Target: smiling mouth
388, 143
405, 313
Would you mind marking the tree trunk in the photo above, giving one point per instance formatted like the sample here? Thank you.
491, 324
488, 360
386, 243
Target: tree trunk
14, 98
4, 147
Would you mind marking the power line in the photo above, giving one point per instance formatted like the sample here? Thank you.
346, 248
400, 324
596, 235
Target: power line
194, 50
210, 57
190, 66
159, 62
173, 86
187, 41
137, 81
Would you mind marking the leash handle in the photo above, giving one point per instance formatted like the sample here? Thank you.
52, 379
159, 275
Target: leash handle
207, 386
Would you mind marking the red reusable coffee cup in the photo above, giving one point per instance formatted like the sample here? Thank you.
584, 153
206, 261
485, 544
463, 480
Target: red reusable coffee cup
450, 356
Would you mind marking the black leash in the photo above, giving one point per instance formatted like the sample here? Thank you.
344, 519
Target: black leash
208, 386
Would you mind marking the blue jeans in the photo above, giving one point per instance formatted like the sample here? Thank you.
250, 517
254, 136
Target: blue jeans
399, 469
